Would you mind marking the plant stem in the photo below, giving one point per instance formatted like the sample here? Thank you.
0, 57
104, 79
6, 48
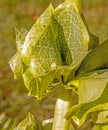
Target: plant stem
62, 104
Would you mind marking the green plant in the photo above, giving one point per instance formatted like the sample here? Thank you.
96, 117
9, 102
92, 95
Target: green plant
60, 52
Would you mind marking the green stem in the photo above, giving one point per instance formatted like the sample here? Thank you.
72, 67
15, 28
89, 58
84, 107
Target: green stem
62, 105
77, 2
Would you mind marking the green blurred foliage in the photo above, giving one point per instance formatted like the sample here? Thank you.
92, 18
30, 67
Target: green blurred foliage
14, 102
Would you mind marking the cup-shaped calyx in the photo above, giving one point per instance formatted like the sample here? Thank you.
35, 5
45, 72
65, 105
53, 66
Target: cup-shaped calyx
57, 41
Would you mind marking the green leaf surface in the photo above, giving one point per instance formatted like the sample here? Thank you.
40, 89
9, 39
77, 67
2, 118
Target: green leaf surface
76, 35
93, 97
91, 87
39, 50
95, 59
41, 86
43, 83
30, 83
102, 118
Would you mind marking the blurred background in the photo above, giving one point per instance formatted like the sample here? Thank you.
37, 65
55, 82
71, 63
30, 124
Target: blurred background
14, 102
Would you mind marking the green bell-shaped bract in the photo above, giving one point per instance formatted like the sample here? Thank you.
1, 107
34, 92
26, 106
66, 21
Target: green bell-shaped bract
52, 49
74, 30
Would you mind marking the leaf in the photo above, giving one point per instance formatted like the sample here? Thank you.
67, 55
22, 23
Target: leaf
102, 118
65, 54
81, 118
42, 68
16, 65
96, 59
91, 87
29, 123
44, 54
30, 83
47, 124
76, 2
40, 49
94, 40
15, 62
38, 54
92, 97
35, 35
41, 86
20, 38
74, 30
